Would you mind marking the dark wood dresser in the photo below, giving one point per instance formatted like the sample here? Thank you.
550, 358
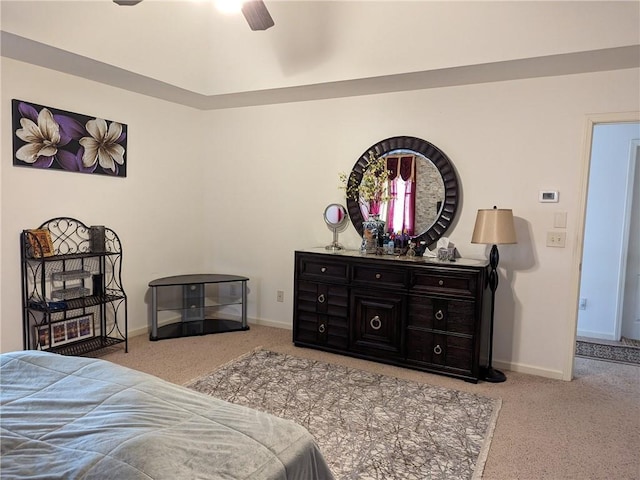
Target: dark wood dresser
413, 312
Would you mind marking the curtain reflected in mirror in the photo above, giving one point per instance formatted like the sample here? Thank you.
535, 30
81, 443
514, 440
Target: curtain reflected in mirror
335, 215
417, 193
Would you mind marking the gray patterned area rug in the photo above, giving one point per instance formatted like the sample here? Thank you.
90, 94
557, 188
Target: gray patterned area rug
630, 342
367, 426
608, 351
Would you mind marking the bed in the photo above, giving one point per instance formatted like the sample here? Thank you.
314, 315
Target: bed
73, 417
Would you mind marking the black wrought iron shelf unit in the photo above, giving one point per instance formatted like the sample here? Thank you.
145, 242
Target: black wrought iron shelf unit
73, 302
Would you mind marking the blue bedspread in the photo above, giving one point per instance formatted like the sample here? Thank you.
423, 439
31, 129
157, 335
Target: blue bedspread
70, 417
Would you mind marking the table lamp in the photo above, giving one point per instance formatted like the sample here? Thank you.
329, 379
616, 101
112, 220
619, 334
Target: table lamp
493, 227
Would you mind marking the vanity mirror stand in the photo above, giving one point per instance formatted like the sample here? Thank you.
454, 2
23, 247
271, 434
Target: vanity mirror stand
335, 216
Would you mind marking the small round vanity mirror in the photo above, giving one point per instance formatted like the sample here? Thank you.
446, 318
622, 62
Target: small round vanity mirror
335, 216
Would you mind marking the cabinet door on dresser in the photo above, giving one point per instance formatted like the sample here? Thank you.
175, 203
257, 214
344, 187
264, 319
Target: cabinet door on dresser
321, 316
377, 305
376, 324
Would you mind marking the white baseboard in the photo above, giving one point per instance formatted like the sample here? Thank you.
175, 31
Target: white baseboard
270, 323
600, 335
528, 369
139, 331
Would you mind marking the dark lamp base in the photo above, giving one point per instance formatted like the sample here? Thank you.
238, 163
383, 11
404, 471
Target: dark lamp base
490, 374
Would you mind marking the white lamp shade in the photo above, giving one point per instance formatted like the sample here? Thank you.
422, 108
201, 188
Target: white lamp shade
494, 226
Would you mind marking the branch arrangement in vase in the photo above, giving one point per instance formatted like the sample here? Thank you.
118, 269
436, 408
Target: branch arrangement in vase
373, 190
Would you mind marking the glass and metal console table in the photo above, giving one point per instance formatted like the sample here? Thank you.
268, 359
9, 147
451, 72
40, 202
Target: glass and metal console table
198, 304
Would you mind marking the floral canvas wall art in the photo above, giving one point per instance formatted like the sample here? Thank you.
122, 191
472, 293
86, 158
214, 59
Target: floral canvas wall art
49, 138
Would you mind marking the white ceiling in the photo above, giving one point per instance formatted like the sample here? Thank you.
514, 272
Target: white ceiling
187, 52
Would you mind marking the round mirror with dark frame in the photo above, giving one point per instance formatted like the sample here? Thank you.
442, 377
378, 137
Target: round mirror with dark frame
433, 174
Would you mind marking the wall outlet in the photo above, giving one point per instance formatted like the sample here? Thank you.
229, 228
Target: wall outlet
556, 239
280, 296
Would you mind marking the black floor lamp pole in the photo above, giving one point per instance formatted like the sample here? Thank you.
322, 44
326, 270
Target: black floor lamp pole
489, 373
494, 227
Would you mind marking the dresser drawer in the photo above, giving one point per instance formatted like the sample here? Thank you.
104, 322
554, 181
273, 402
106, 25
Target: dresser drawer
444, 282
321, 330
315, 268
455, 316
440, 351
372, 275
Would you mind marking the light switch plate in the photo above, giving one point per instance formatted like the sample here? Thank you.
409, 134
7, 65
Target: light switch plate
560, 220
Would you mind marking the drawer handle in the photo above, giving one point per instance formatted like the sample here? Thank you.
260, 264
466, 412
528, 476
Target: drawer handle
440, 282
378, 276
437, 350
323, 269
321, 298
321, 328
439, 315
375, 323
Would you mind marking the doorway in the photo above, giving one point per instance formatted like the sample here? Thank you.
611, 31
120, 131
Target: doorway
631, 307
609, 286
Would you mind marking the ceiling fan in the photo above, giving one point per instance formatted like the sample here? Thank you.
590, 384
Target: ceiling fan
255, 11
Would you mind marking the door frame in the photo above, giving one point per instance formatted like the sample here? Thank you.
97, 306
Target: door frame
590, 122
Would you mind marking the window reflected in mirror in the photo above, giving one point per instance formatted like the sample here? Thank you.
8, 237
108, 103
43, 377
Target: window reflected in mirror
417, 194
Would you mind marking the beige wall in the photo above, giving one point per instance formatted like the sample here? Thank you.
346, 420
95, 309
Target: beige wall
236, 191
507, 140
156, 210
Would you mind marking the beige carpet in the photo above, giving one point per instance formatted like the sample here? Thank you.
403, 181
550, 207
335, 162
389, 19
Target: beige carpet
547, 429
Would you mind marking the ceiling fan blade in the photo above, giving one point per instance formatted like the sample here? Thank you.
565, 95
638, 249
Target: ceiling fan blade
257, 15
255, 11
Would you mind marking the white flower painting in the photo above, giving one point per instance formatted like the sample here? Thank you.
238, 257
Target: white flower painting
48, 138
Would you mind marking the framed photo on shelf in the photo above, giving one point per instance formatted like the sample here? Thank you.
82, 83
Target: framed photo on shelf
40, 241
72, 329
58, 333
85, 326
42, 336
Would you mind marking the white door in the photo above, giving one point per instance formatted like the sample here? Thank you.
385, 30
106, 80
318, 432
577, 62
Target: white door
631, 303
604, 275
